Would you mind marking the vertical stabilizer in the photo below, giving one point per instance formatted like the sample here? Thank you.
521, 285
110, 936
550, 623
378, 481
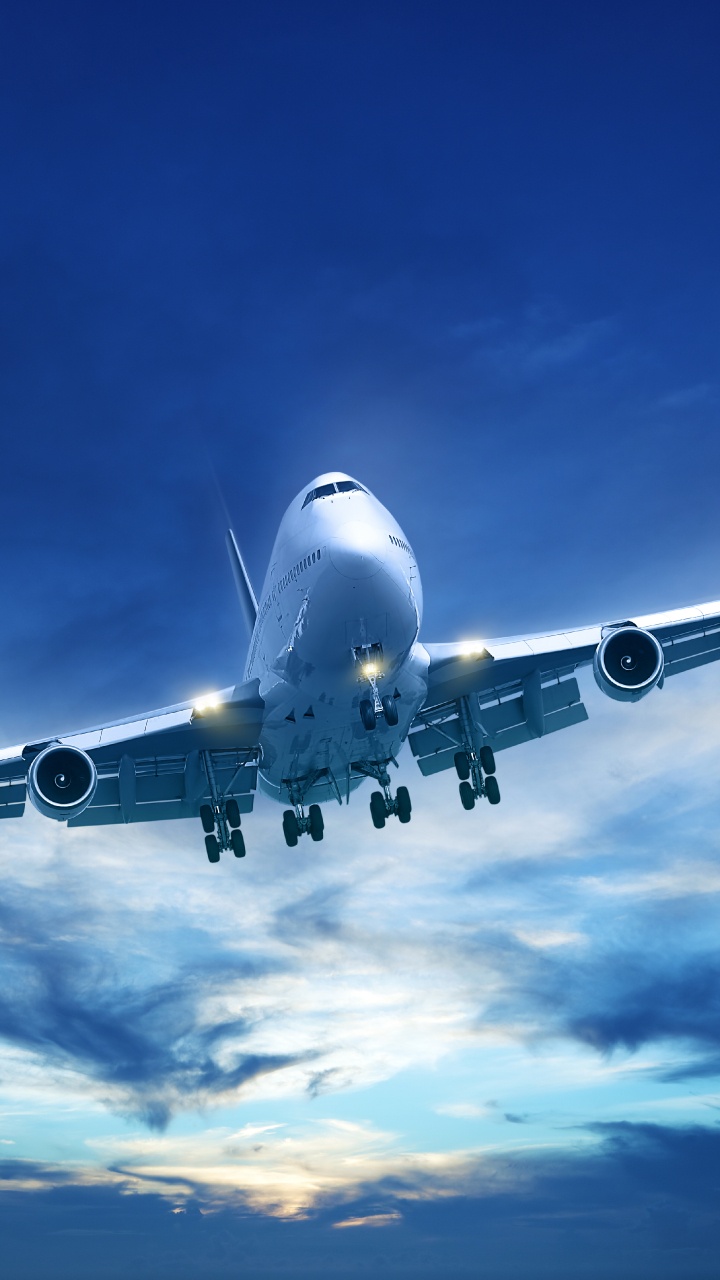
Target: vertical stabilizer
248, 603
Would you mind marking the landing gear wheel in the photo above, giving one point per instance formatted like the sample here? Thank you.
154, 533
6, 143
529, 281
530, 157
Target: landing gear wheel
389, 706
232, 812
237, 842
213, 848
378, 812
317, 825
290, 828
492, 790
404, 807
487, 759
467, 795
462, 765
367, 714
207, 817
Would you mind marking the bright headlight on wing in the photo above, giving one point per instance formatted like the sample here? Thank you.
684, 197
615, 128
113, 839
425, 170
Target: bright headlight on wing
472, 648
208, 702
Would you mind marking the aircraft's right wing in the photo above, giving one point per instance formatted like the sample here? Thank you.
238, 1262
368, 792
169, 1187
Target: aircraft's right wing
501, 693
162, 765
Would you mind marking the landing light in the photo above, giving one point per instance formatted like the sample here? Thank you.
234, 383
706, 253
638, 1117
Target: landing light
370, 669
472, 648
207, 703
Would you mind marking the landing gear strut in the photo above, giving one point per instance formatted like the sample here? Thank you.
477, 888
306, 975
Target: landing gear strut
220, 820
470, 767
297, 823
369, 662
383, 804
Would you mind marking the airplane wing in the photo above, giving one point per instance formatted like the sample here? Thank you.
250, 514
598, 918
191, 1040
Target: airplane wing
500, 693
161, 765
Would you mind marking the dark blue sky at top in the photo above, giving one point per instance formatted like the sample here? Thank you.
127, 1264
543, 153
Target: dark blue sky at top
468, 253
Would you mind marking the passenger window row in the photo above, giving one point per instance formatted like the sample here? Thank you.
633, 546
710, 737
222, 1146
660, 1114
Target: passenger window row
289, 577
327, 490
398, 542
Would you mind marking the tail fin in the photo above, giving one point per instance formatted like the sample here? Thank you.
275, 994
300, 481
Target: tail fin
248, 603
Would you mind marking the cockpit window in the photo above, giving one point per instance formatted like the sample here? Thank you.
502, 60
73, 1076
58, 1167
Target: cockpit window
325, 490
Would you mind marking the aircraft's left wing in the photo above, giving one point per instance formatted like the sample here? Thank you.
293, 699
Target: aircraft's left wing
504, 692
161, 765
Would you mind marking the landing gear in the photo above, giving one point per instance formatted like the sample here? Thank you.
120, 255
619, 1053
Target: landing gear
237, 843
316, 823
378, 809
232, 812
474, 768
369, 664
368, 714
467, 795
220, 820
462, 765
403, 806
382, 803
291, 828
492, 790
297, 823
389, 707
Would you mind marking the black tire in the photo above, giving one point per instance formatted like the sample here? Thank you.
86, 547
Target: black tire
367, 715
237, 842
462, 765
487, 759
492, 790
207, 817
389, 706
317, 824
291, 829
212, 848
467, 795
378, 812
232, 812
404, 805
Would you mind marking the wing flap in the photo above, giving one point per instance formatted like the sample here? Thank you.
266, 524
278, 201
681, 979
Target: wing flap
502, 724
155, 811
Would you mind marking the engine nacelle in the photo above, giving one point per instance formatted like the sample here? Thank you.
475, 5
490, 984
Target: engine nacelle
628, 663
61, 782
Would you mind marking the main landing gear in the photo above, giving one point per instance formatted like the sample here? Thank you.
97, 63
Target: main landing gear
470, 769
221, 823
383, 806
297, 823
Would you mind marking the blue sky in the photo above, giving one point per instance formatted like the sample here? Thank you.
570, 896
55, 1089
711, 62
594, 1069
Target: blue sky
469, 254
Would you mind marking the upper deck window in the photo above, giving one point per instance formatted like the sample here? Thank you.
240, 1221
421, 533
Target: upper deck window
325, 490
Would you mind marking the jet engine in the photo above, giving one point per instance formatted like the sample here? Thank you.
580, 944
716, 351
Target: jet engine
61, 782
628, 663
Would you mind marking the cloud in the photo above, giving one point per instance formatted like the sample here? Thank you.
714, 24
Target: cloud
629, 1199
148, 1043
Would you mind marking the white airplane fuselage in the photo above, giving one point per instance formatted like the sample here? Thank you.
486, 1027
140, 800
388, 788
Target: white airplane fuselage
341, 598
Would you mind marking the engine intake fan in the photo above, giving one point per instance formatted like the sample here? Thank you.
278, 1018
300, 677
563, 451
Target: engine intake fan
61, 782
628, 663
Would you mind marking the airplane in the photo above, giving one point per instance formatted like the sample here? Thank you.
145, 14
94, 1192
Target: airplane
336, 681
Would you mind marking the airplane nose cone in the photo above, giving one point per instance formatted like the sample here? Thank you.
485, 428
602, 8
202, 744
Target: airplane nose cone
357, 550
